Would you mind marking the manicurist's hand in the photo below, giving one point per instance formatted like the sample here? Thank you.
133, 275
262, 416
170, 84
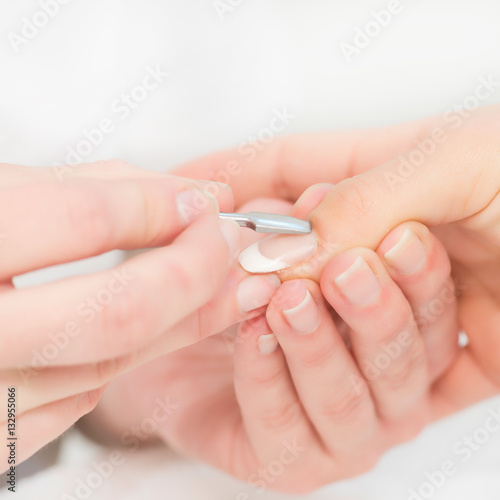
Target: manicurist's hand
62, 342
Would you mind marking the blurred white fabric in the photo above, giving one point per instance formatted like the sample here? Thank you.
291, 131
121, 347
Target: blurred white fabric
226, 76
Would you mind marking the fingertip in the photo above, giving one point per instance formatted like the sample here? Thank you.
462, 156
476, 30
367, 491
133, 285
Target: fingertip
354, 277
411, 250
310, 199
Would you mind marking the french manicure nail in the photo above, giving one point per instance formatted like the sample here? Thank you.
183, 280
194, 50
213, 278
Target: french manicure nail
256, 291
408, 256
358, 284
191, 203
232, 234
278, 252
305, 317
267, 344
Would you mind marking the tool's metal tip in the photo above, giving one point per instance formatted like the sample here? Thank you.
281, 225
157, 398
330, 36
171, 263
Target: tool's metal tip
262, 222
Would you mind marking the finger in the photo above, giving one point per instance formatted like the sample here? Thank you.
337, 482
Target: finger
40, 385
41, 425
279, 251
82, 217
331, 388
278, 171
241, 298
109, 314
419, 264
479, 316
385, 339
271, 411
447, 184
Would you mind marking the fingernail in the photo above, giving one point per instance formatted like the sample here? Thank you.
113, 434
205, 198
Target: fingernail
214, 188
191, 203
408, 256
232, 234
358, 284
256, 291
277, 252
267, 343
304, 318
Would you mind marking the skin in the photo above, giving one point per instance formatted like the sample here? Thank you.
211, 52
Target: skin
454, 191
234, 406
93, 209
235, 413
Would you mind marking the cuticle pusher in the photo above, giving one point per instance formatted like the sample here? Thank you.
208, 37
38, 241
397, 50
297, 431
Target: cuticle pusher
262, 222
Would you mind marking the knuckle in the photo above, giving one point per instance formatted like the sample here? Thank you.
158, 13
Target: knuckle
398, 319
357, 194
200, 279
348, 406
86, 212
282, 417
314, 359
404, 370
126, 321
268, 378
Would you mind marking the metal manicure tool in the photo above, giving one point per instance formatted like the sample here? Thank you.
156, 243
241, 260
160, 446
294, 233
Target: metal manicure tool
270, 223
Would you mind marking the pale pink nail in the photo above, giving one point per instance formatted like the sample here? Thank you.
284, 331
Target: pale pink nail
267, 343
256, 291
306, 317
358, 284
408, 256
277, 252
191, 203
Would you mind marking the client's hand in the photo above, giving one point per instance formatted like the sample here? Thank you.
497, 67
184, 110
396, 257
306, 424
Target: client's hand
443, 172
309, 396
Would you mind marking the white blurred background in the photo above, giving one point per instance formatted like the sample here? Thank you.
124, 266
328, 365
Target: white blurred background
230, 63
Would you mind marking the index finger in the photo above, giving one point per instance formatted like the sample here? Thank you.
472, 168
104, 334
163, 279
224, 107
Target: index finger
46, 222
291, 164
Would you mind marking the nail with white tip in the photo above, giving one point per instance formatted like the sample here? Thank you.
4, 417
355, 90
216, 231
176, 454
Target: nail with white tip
305, 317
278, 252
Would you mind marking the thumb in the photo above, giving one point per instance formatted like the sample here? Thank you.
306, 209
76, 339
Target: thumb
453, 174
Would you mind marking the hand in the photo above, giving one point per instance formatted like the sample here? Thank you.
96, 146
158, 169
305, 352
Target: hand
325, 403
63, 342
443, 175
